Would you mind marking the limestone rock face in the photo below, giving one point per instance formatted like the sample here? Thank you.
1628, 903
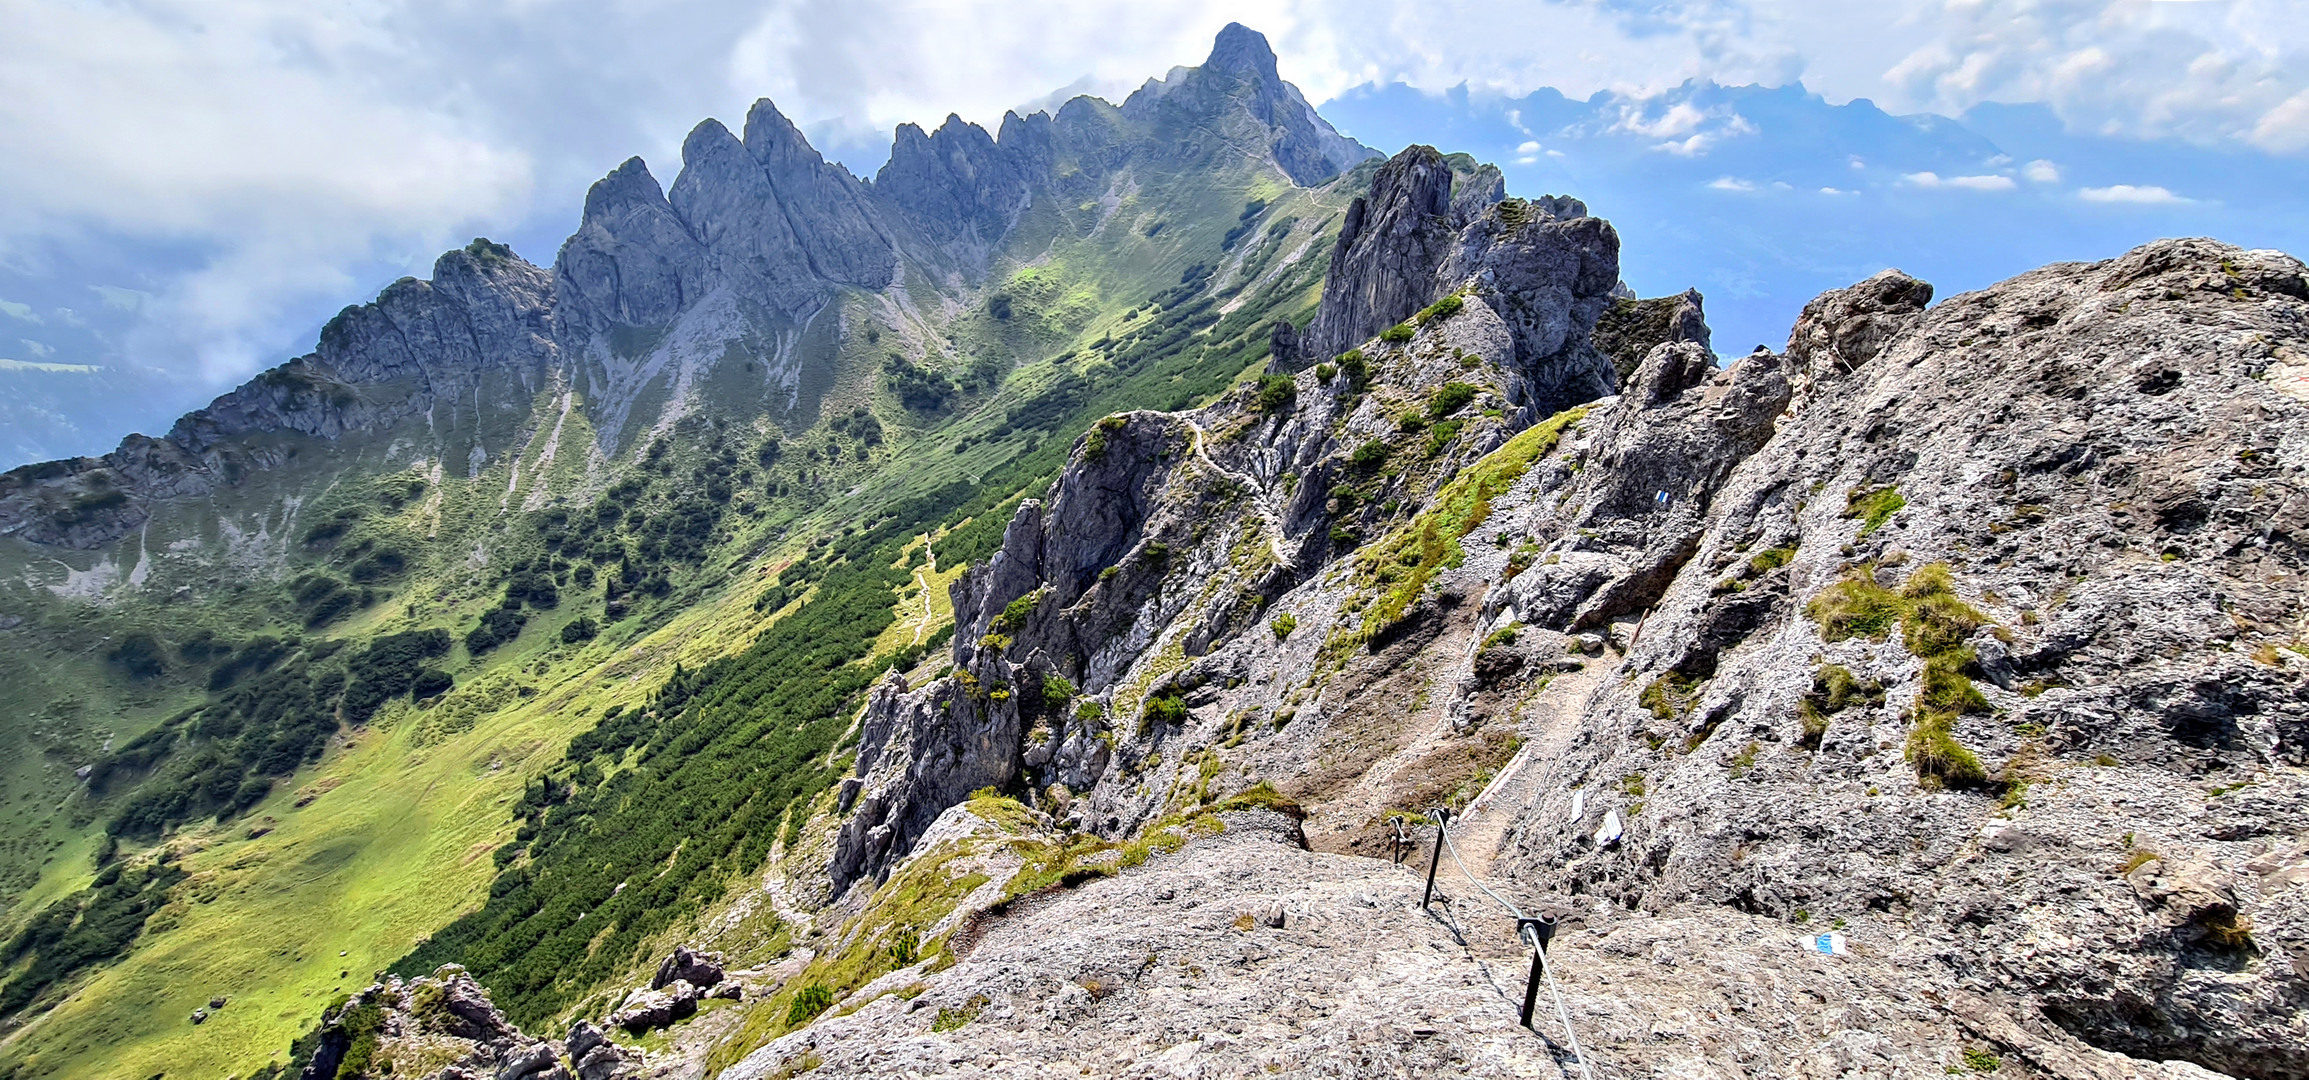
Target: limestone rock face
1649, 470
656, 1007
1390, 247
686, 965
2091, 457
725, 197
1411, 241
1239, 79
824, 203
1553, 278
632, 261
956, 184
1628, 329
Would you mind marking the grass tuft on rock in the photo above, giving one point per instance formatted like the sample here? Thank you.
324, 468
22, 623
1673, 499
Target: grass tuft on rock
1935, 624
1834, 688
1873, 506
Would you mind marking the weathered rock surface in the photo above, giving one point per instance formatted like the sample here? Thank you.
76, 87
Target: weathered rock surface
1411, 241
1244, 956
656, 1007
1238, 82
632, 260
695, 968
2091, 452
2051, 794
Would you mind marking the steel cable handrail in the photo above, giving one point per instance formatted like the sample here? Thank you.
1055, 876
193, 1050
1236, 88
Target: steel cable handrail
1529, 937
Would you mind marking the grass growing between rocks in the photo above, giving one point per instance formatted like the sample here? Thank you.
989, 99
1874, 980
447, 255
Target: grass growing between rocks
1834, 688
1081, 859
1406, 561
926, 891
886, 937
1934, 624
1873, 506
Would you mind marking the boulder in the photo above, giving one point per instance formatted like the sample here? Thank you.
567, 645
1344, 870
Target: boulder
695, 968
656, 1008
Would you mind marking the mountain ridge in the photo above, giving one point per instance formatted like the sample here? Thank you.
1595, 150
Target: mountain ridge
643, 255
761, 684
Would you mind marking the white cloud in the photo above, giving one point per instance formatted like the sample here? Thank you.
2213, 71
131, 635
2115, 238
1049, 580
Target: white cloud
2129, 193
120, 299
1988, 182
1731, 183
1679, 127
1528, 148
2041, 171
2209, 73
19, 312
284, 138
2285, 129
35, 348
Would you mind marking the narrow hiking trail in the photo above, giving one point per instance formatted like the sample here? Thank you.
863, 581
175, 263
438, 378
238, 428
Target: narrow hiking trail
922, 582
1255, 493
1481, 831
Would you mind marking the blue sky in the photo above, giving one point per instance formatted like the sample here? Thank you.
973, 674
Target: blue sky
195, 185
1788, 196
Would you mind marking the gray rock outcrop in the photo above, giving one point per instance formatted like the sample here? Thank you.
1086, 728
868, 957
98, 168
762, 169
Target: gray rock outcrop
695, 968
446, 1019
2088, 458
632, 260
1239, 79
657, 1007
1411, 241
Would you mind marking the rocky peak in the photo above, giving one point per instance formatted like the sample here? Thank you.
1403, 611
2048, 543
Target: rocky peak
631, 261
1238, 86
1391, 244
956, 184
821, 201
1844, 328
728, 203
1242, 53
1427, 229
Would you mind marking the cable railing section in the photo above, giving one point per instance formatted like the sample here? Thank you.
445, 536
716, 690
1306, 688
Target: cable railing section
1534, 931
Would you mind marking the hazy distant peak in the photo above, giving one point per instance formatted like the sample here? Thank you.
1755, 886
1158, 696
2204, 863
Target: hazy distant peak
1242, 51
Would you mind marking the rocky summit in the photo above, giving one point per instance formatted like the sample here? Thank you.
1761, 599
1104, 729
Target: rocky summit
1161, 590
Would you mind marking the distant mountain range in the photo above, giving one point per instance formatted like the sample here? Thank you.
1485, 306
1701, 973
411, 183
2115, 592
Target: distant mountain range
1761, 197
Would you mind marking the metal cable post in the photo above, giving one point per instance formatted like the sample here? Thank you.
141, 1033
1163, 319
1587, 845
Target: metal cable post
1578, 1057
1442, 819
1535, 933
